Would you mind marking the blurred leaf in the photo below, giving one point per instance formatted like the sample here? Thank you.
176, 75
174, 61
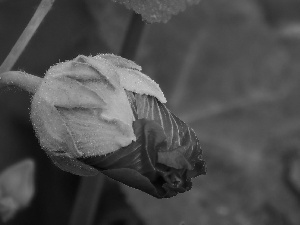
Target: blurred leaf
157, 10
16, 188
111, 21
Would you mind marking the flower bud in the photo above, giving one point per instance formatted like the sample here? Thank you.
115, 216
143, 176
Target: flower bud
102, 114
81, 109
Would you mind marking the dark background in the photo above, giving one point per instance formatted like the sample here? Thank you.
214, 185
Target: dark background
229, 68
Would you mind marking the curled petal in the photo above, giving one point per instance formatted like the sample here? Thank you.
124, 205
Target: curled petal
138, 166
69, 93
120, 61
183, 148
86, 68
131, 77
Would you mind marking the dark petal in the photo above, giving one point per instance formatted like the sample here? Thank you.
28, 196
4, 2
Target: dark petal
183, 147
163, 159
137, 164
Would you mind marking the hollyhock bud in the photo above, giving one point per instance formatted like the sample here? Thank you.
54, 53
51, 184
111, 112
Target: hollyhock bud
102, 114
81, 109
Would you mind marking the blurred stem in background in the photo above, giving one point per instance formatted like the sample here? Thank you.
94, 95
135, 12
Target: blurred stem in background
133, 37
42, 10
90, 188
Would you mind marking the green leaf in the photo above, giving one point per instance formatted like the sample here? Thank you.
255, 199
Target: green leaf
157, 10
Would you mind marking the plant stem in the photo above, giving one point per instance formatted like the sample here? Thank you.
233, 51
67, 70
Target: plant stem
27, 34
133, 37
87, 200
23, 80
89, 192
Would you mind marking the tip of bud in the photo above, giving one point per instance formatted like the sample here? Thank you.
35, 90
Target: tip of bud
131, 77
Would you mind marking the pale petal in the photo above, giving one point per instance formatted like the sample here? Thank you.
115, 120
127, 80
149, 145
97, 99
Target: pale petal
131, 78
95, 135
119, 61
52, 132
69, 93
135, 81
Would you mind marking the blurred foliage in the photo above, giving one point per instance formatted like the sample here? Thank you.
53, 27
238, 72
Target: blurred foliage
234, 77
227, 68
157, 10
16, 188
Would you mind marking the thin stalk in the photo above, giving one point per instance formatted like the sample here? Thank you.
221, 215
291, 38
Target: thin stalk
133, 37
20, 79
89, 192
86, 203
27, 34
